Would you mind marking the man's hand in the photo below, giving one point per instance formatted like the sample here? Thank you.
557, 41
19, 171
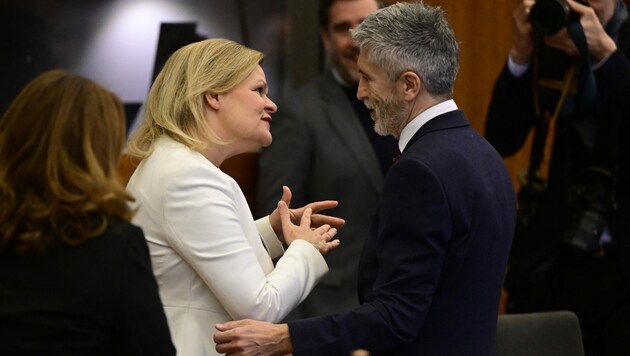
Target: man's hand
251, 337
600, 44
522, 33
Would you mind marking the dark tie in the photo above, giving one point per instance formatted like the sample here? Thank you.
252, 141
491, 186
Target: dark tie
396, 155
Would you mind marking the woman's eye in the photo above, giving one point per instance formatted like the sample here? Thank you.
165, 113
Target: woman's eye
259, 90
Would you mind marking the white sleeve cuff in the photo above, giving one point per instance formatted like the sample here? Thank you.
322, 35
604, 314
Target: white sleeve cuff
517, 70
269, 237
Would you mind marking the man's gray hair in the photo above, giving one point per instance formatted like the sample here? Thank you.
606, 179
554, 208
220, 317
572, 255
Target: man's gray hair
412, 37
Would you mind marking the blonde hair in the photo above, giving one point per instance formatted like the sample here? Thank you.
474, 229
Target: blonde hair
175, 106
60, 143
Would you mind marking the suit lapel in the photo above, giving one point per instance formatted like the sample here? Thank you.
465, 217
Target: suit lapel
345, 123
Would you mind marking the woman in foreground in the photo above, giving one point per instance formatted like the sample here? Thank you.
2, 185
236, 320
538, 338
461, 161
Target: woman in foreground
213, 262
75, 275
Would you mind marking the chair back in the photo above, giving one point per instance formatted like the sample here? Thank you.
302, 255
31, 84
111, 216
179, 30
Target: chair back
555, 333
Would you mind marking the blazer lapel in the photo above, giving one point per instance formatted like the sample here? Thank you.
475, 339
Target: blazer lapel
346, 124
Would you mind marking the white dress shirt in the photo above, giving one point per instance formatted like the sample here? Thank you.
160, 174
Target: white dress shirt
414, 125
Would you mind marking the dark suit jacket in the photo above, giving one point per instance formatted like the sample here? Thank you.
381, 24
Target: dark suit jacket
321, 151
98, 298
431, 274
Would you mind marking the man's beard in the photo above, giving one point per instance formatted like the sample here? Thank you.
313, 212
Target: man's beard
388, 115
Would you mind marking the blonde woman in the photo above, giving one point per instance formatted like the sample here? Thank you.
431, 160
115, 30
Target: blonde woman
213, 262
75, 275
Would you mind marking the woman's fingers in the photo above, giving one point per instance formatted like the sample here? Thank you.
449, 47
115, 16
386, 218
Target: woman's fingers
306, 218
327, 232
328, 246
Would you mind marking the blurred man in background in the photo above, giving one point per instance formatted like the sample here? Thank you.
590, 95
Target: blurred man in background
324, 147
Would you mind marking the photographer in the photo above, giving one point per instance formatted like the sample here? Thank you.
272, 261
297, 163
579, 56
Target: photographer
572, 246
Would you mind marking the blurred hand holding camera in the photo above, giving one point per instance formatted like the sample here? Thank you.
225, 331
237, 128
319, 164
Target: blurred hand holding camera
548, 18
600, 44
523, 34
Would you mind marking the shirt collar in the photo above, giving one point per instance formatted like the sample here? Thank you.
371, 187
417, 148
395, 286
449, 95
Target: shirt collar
339, 79
414, 125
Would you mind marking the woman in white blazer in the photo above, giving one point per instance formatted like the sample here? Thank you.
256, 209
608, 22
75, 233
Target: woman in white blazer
213, 263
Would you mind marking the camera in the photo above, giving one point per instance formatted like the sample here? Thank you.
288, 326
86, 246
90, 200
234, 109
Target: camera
550, 16
592, 201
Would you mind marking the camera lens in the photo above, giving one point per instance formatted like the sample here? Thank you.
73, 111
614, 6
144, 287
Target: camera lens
549, 16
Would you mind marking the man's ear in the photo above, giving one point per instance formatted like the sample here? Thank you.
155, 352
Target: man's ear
212, 100
411, 85
325, 39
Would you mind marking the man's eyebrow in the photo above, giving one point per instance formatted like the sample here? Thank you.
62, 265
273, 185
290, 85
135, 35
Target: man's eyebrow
341, 25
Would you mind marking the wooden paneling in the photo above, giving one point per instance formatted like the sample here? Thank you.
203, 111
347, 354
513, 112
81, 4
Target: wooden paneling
243, 169
126, 167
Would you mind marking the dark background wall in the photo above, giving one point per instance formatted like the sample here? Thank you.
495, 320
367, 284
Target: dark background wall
115, 41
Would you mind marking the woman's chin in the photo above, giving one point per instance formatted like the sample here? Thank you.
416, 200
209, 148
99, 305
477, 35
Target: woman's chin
266, 142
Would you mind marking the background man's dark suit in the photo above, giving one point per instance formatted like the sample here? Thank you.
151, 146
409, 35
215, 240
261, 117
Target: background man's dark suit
432, 272
597, 288
321, 151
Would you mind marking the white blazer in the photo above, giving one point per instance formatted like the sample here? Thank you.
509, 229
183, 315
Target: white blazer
206, 250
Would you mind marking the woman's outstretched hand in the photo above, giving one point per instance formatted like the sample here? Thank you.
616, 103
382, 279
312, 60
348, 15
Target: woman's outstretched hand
295, 215
321, 237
